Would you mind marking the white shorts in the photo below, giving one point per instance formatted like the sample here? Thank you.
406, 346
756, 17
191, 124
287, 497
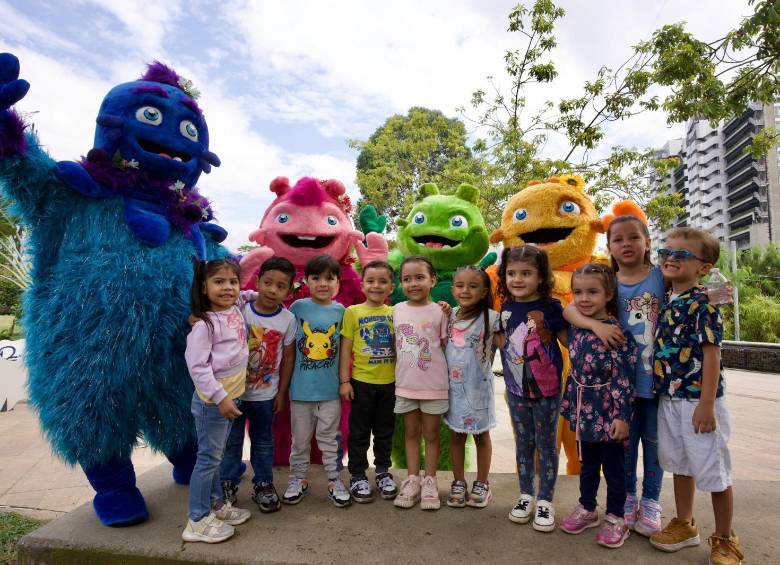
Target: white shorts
705, 457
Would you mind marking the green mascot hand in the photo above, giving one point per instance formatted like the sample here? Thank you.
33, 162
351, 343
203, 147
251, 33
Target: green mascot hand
488, 260
370, 221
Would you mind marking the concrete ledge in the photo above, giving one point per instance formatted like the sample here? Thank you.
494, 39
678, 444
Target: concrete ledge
316, 532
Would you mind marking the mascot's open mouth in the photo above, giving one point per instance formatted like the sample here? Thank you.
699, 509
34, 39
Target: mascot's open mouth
435, 241
152, 147
314, 241
546, 236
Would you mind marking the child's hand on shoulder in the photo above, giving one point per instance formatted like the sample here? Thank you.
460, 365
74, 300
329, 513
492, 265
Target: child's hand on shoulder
192, 320
445, 307
228, 408
346, 391
703, 420
610, 334
618, 431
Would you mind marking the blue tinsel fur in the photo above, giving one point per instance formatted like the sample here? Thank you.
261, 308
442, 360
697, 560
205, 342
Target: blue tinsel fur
105, 320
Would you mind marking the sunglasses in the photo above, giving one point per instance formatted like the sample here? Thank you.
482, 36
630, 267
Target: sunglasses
678, 255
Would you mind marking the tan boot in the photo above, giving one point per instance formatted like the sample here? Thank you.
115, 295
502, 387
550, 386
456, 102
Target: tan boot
676, 535
725, 550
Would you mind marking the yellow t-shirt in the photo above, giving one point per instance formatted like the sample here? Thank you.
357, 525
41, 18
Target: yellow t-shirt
373, 342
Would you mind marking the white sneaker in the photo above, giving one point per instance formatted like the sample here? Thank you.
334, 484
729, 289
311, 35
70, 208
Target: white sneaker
521, 513
544, 520
429, 499
209, 529
296, 490
232, 515
338, 493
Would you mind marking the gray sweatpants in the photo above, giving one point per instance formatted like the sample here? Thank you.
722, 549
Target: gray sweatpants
306, 418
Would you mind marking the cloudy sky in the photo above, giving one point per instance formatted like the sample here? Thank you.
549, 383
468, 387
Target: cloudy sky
284, 84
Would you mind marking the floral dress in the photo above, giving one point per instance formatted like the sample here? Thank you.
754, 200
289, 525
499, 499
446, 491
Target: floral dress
599, 389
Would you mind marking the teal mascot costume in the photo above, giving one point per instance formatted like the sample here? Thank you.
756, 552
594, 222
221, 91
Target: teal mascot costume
112, 238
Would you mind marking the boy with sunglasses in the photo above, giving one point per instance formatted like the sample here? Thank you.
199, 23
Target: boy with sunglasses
693, 422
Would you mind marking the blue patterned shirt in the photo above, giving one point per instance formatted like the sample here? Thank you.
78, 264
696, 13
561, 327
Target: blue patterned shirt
687, 323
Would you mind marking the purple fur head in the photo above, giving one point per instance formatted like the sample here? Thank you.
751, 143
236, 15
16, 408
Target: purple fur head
157, 72
12, 138
192, 105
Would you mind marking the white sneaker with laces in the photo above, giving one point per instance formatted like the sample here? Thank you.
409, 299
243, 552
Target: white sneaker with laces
296, 490
544, 520
209, 529
232, 515
521, 513
338, 493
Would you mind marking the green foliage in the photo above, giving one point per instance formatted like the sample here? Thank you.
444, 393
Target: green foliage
10, 297
408, 151
12, 528
247, 247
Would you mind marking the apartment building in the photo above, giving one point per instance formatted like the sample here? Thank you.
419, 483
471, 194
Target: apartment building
726, 191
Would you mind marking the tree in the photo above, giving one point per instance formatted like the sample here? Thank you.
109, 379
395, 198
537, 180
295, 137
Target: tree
408, 151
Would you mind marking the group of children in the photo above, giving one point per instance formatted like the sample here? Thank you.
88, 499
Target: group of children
645, 367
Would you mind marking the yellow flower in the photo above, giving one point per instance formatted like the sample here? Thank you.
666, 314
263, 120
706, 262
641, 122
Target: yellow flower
575, 181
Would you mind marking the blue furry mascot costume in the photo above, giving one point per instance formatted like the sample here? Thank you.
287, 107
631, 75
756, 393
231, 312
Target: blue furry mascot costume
112, 239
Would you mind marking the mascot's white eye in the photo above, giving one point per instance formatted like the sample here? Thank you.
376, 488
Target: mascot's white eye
520, 214
459, 222
419, 218
188, 130
149, 115
568, 207
282, 218
332, 220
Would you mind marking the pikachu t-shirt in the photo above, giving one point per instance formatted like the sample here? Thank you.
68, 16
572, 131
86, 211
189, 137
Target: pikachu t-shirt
316, 373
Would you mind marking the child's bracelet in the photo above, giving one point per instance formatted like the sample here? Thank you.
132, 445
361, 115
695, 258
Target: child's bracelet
344, 382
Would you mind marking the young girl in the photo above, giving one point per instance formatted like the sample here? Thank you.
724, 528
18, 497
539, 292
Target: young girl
530, 321
421, 385
469, 354
640, 294
597, 403
216, 357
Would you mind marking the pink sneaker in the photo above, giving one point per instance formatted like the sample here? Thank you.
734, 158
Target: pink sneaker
630, 510
410, 492
613, 533
649, 520
430, 494
579, 520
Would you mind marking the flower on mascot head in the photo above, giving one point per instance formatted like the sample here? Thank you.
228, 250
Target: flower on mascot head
556, 215
309, 219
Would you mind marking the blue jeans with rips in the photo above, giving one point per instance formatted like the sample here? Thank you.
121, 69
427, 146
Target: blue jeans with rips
212, 430
260, 415
644, 428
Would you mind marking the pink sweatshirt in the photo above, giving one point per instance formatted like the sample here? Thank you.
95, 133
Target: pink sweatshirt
420, 366
216, 355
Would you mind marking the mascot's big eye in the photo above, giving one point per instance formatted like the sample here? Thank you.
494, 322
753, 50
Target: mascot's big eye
332, 221
149, 115
568, 207
520, 214
459, 222
282, 218
419, 218
188, 130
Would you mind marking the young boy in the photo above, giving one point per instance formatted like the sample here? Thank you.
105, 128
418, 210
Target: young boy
271, 334
367, 335
693, 422
315, 406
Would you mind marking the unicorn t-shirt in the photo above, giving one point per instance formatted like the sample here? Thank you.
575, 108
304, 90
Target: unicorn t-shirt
638, 308
420, 366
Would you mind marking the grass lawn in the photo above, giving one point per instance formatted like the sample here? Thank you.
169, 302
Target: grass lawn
12, 527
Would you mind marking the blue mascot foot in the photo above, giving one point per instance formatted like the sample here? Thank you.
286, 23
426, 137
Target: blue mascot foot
118, 501
184, 463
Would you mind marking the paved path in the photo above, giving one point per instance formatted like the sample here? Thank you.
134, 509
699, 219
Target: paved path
35, 482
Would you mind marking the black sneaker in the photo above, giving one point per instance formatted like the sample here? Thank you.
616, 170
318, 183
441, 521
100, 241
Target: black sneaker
386, 486
229, 491
360, 489
266, 498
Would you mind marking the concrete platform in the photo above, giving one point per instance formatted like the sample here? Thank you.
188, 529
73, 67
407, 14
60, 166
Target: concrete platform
316, 532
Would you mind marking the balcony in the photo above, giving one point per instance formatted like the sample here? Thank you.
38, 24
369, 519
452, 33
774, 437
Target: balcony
742, 190
744, 174
737, 122
737, 164
735, 151
742, 220
752, 202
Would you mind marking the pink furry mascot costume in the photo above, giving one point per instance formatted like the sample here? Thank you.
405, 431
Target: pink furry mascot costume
309, 219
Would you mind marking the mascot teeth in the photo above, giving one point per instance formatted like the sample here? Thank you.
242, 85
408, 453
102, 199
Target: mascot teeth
177, 159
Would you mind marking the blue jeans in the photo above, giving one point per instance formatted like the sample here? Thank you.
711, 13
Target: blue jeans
644, 427
535, 424
260, 414
212, 429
